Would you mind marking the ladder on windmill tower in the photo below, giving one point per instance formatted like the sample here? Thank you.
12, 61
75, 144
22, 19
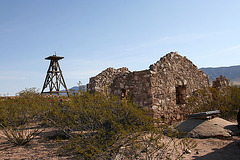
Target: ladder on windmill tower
54, 78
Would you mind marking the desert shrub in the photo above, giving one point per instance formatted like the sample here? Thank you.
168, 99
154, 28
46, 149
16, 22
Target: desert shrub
98, 126
29, 92
103, 127
20, 135
226, 100
18, 114
29, 106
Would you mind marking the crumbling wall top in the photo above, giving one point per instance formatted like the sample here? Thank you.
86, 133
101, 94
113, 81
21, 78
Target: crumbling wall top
221, 82
100, 82
171, 60
113, 71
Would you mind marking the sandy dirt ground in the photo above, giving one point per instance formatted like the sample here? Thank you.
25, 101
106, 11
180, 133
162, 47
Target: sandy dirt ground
41, 148
214, 148
37, 149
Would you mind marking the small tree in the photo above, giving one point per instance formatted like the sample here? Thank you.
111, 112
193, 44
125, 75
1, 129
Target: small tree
29, 92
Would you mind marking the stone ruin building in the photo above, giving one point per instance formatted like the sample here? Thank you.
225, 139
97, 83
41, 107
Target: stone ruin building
221, 82
163, 87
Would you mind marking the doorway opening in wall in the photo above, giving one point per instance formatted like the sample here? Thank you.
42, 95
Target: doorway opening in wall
181, 94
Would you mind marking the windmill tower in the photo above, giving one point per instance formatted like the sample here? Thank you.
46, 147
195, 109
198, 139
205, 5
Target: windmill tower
54, 78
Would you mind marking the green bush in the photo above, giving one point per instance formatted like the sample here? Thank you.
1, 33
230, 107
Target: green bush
29, 106
226, 100
108, 127
18, 114
103, 123
98, 126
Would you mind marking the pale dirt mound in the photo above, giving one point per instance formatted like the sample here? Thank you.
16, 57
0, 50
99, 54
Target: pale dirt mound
216, 127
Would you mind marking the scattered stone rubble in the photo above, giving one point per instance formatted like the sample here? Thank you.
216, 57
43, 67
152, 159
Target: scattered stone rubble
163, 87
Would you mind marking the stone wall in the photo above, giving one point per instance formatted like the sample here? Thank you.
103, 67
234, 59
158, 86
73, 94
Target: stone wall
221, 82
163, 88
170, 74
137, 85
103, 80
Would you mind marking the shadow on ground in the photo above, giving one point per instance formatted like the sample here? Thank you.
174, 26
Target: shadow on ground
229, 152
189, 124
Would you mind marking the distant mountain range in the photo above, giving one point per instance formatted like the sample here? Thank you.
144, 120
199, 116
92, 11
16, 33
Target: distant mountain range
232, 73
76, 88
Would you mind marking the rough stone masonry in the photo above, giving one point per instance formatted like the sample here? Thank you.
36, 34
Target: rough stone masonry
163, 87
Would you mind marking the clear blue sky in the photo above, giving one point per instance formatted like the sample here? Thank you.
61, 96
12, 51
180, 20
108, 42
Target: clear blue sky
95, 34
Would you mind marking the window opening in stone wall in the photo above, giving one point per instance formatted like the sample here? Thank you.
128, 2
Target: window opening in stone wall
181, 94
124, 94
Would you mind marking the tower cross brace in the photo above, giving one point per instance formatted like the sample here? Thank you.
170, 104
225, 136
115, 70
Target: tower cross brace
54, 78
